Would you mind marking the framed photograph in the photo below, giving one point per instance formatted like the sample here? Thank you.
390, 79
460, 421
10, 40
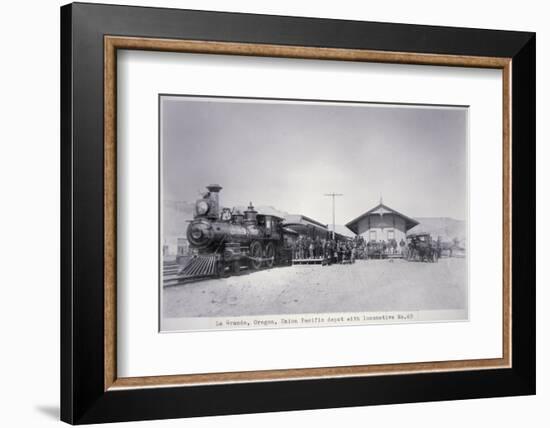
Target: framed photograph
265, 213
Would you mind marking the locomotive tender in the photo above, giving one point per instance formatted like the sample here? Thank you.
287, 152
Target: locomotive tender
225, 239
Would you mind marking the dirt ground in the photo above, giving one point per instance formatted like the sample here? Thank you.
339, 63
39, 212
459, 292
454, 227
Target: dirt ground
367, 285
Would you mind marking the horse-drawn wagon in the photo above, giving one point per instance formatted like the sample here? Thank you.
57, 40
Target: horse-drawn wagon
421, 247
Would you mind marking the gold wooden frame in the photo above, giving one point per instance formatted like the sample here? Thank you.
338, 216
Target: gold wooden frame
113, 43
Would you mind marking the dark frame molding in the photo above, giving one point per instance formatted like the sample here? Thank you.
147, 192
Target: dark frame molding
83, 396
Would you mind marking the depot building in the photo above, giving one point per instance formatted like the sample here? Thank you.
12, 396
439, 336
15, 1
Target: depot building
382, 223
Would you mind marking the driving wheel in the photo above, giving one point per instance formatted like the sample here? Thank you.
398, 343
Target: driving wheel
269, 254
255, 255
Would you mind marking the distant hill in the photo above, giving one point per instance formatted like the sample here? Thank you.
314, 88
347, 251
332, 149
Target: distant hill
175, 216
445, 227
264, 209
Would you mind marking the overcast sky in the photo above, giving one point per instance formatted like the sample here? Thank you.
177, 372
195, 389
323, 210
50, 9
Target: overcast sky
289, 154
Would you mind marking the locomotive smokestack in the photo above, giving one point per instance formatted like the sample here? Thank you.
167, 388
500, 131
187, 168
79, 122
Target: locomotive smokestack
214, 190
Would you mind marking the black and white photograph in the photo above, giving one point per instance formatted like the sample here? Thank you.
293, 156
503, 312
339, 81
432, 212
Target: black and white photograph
280, 213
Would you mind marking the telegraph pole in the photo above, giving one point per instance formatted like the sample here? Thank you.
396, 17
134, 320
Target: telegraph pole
333, 195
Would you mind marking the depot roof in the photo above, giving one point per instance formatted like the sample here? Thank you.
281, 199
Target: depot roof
380, 210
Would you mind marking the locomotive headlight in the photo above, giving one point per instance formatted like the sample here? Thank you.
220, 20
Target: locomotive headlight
202, 207
196, 233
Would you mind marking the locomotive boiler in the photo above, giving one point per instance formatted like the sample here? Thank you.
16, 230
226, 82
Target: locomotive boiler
228, 240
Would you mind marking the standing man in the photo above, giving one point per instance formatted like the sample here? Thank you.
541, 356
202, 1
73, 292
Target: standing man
301, 247
402, 247
331, 251
317, 250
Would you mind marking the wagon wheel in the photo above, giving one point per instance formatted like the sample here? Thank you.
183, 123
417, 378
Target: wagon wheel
255, 255
269, 254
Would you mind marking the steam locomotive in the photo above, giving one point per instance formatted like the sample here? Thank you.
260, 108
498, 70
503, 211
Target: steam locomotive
227, 239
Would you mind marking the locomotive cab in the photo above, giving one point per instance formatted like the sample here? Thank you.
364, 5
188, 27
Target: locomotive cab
266, 222
270, 223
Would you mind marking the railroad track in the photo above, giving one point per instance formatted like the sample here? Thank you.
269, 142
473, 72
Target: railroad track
194, 268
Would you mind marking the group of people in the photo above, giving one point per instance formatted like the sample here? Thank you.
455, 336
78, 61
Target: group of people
329, 250
344, 251
389, 247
